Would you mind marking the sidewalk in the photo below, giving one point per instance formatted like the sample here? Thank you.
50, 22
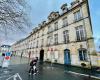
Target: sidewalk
77, 70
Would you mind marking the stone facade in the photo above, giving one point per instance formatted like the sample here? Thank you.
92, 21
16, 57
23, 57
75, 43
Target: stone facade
65, 38
5, 48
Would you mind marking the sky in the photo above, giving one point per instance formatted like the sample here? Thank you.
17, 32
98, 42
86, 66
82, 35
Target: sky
40, 9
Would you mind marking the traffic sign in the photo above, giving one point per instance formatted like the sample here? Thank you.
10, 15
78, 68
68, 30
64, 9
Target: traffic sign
7, 57
8, 54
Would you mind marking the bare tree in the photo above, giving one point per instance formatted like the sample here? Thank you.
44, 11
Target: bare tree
13, 16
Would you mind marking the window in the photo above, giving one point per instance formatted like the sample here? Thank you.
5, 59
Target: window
37, 44
42, 41
56, 39
38, 35
49, 40
43, 32
77, 15
56, 25
49, 29
80, 33
83, 54
66, 36
34, 36
65, 22
34, 44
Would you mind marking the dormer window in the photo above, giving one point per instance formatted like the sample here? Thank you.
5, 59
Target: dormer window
64, 8
53, 15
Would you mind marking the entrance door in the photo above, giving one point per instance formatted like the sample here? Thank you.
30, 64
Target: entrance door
41, 55
67, 59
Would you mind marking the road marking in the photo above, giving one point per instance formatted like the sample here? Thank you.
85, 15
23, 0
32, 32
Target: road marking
14, 77
83, 74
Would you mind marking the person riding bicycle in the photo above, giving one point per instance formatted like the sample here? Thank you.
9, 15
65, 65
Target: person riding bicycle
33, 68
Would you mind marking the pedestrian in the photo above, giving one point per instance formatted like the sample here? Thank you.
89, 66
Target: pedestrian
21, 55
33, 68
29, 56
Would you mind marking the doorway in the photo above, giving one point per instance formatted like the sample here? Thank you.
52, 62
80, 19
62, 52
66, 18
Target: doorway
41, 55
67, 60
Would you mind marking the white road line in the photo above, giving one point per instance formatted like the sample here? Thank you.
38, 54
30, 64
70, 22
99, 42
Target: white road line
15, 76
83, 74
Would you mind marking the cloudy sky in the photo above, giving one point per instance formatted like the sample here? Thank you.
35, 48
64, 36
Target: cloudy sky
40, 9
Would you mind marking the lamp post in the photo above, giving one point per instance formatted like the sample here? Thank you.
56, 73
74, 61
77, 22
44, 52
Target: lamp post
51, 58
90, 65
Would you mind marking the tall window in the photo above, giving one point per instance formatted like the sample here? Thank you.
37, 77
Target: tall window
37, 44
49, 29
34, 36
56, 39
80, 33
38, 35
83, 54
65, 22
49, 40
66, 36
56, 25
42, 41
77, 15
34, 44
43, 32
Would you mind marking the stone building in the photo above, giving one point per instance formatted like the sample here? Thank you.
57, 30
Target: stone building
65, 38
5, 48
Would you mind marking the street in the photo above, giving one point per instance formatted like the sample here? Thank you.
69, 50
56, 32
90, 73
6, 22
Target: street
46, 71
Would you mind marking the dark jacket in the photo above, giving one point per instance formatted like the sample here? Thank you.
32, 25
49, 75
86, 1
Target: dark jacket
33, 62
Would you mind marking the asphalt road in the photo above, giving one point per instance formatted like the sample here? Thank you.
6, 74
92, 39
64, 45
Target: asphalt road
20, 67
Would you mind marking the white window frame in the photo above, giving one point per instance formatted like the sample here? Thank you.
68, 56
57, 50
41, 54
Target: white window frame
66, 36
77, 15
82, 36
65, 22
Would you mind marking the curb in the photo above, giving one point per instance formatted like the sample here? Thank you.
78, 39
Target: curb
83, 74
